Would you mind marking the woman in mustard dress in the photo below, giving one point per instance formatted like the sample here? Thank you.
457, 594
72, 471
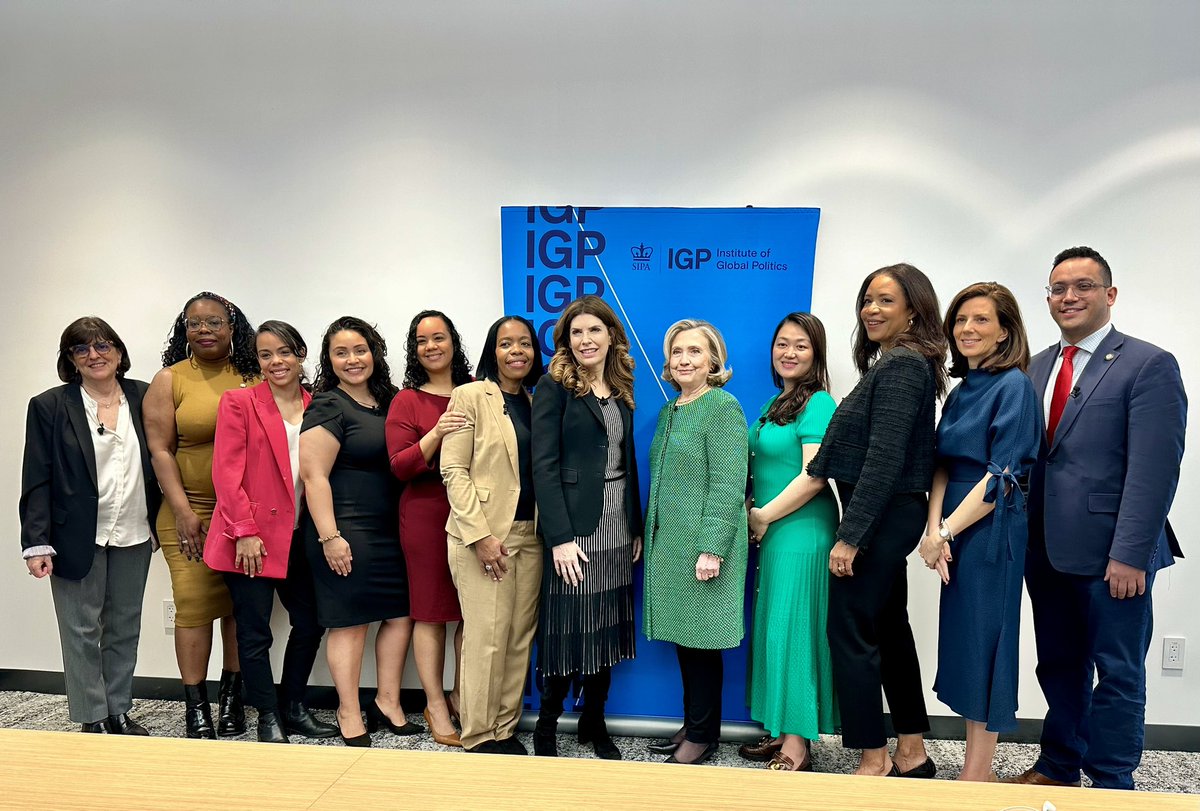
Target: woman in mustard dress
210, 351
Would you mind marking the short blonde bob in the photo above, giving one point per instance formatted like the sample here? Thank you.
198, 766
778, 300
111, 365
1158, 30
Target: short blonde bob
718, 373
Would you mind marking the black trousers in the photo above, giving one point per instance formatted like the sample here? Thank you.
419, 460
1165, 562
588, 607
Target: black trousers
253, 600
870, 639
703, 672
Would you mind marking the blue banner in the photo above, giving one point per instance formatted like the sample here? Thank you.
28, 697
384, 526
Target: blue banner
743, 269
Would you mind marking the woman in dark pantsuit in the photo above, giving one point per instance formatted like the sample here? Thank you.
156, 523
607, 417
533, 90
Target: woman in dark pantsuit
585, 479
87, 496
879, 450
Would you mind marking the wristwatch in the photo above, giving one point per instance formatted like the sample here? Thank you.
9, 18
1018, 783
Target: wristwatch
944, 532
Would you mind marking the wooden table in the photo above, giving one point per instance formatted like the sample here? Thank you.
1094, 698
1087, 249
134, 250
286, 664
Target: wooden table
57, 770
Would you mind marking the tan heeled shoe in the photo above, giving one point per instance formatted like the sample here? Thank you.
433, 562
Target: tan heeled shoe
445, 740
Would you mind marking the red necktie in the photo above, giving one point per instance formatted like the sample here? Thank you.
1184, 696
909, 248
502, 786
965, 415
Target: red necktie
1062, 390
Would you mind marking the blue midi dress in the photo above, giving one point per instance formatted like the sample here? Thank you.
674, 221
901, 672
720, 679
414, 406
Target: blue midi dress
989, 424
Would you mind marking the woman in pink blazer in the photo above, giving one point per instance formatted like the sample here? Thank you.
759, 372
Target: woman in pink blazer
256, 474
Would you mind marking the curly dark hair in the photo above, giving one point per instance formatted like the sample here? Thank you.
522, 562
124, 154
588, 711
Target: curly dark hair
380, 383
415, 375
241, 345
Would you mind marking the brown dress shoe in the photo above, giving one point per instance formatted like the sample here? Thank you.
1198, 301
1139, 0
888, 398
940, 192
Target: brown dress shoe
761, 750
1031, 777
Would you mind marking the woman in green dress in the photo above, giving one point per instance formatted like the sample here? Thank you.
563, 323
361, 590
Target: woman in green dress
794, 517
696, 546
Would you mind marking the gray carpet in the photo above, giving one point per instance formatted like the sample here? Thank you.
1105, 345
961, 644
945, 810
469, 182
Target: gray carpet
1160, 771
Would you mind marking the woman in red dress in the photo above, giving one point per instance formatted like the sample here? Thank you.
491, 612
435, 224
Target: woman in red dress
416, 423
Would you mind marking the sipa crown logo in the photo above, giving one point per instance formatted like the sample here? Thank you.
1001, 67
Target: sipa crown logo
641, 254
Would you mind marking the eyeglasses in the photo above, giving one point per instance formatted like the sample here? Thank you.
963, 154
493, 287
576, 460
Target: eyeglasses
213, 324
81, 351
1082, 288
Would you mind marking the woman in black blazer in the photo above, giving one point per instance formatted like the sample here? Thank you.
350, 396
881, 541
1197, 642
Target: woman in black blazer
585, 478
879, 449
87, 494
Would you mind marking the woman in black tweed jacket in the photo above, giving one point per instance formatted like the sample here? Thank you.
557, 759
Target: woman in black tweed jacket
879, 450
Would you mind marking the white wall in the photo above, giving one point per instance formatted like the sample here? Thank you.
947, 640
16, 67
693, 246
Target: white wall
308, 159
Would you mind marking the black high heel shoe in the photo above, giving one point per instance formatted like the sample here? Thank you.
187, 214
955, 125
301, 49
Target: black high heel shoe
376, 718
705, 755
363, 740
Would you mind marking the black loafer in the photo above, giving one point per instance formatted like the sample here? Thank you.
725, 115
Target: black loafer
926, 771
124, 725
99, 727
511, 746
666, 747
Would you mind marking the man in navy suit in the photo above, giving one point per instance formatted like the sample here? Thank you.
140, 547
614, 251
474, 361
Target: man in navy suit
1115, 413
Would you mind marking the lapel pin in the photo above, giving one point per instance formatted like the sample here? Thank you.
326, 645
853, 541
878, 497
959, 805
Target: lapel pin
1109, 356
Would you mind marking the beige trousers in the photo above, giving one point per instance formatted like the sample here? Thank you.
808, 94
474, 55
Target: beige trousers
499, 620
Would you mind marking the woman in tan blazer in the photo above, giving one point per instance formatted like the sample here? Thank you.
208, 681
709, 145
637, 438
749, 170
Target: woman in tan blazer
495, 555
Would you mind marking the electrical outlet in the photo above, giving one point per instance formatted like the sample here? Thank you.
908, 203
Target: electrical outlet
1173, 652
169, 615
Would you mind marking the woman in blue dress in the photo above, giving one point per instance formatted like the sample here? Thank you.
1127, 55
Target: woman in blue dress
986, 441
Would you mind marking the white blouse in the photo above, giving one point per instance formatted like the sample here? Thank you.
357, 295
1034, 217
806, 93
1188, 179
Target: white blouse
121, 518
293, 438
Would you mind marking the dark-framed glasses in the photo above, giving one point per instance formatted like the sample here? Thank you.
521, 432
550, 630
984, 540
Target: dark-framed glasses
214, 324
1084, 287
81, 351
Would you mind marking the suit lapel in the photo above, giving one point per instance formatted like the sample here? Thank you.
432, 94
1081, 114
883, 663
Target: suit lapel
83, 430
590, 401
268, 416
1101, 361
495, 400
1039, 373
134, 399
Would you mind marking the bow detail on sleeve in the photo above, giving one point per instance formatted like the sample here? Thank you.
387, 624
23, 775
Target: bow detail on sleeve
1005, 492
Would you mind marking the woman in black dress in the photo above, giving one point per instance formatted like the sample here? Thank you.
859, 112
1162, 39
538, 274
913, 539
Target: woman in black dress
351, 532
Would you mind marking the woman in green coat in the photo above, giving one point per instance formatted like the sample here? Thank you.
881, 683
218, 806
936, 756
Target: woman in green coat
696, 545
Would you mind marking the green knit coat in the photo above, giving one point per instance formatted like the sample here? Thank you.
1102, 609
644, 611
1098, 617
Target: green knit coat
697, 504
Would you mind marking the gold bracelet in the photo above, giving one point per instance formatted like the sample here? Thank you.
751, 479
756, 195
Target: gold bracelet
336, 534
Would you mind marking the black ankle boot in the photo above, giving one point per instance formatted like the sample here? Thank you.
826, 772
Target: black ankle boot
554, 690
269, 728
197, 714
231, 710
593, 730
545, 739
299, 721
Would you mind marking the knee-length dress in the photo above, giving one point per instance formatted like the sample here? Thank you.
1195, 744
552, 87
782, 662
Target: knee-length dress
790, 685
196, 388
989, 424
586, 627
365, 504
423, 506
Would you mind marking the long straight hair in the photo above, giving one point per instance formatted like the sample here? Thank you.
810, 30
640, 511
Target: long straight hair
788, 405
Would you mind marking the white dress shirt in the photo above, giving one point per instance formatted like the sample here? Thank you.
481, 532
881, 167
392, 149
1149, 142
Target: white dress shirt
1086, 348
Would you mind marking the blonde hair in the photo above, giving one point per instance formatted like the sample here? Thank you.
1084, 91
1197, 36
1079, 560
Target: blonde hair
618, 364
718, 373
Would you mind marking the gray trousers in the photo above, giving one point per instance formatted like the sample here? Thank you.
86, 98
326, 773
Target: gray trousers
99, 623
